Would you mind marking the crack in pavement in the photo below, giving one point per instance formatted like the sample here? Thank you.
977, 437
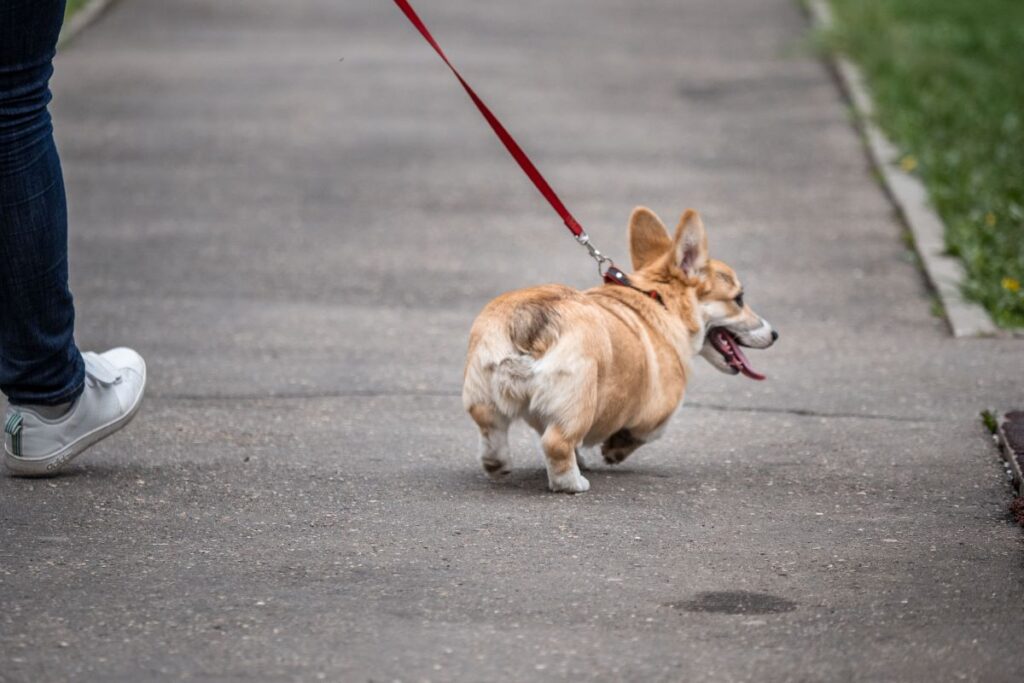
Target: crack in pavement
803, 412
441, 393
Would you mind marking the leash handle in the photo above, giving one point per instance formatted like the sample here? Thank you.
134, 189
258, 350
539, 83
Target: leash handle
506, 139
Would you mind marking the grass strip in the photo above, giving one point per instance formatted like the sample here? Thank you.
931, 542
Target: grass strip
947, 77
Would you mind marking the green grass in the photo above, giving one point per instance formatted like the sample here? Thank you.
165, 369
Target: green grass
73, 6
948, 81
989, 419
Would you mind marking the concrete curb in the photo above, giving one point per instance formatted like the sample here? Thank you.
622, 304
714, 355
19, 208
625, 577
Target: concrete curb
1011, 449
82, 18
908, 193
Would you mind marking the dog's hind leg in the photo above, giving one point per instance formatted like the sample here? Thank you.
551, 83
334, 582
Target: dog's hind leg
581, 461
563, 471
494, 452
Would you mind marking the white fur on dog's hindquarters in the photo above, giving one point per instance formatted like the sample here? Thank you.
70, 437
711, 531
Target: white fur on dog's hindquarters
568, 482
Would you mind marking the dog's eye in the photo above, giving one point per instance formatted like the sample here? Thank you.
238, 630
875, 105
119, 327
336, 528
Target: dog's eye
739, 299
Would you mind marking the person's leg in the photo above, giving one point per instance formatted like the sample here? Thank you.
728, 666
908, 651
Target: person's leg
61, 401
39, 362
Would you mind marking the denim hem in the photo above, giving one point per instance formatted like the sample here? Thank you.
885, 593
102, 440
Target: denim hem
51, 399
65, 397
56, 397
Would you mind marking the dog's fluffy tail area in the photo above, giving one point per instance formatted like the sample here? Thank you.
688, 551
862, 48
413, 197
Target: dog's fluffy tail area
505, 346
499, 377
510, 384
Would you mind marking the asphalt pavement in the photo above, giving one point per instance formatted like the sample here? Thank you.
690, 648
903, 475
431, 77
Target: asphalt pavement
294, 213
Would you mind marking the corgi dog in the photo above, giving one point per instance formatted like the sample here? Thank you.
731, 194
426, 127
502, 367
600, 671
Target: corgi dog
607, 366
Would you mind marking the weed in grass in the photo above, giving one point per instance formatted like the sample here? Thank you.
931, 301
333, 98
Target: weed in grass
989, 418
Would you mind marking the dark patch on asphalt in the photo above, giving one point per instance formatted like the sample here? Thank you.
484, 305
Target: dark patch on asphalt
715, 90
736, 602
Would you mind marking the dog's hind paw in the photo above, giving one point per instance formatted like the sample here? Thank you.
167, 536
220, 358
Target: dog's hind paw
570, 482
496, 469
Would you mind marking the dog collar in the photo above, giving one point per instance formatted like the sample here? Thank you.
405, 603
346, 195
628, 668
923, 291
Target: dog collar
614, 276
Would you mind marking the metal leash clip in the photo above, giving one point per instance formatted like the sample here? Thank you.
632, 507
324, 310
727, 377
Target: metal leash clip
584, 239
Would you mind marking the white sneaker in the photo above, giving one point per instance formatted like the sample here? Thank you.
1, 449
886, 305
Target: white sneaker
114, 382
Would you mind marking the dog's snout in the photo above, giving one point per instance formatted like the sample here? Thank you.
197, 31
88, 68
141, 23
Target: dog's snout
775, 336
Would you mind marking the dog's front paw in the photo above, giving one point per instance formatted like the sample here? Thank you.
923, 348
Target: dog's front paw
614, 456
570, 482
619, 446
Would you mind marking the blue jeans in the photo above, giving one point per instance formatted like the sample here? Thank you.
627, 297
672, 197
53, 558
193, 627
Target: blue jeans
39, 362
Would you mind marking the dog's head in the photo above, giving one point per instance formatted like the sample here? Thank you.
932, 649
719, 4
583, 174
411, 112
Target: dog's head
710, 294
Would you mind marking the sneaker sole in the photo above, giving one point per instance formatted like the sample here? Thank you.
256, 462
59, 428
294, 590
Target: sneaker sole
52, 464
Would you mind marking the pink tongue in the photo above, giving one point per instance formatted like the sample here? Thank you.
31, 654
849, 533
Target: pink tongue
737, 359
745, 364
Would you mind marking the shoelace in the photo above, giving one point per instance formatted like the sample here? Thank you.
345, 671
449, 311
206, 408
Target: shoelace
100, 369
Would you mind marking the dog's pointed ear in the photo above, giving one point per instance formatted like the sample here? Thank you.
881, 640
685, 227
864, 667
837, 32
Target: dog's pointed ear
691, 244
648, 237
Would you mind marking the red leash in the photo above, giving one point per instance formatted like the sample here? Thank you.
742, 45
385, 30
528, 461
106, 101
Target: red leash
610, 274
510, 144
